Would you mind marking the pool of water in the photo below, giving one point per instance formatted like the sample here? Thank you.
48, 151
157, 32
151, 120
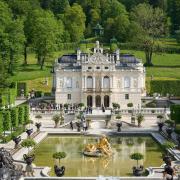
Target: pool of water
77, 164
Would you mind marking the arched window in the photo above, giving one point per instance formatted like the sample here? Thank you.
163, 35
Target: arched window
106, 101
69, 82
98, 101
106, 82
89, 82
89, 101
127, 82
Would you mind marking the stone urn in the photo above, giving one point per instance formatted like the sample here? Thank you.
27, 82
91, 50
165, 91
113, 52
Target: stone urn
169, 132
160, 125
16, 141
138, 171
29, 132
38, 125
119, 125
29, 158
59, 171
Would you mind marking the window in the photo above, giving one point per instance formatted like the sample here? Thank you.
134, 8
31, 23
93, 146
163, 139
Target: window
69, 82
106, 67
126, 82
126, 96
89, 67
106, 82
69, 96
89, 82
98, 67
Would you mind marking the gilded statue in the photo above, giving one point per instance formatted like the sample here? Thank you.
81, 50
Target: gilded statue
102, 148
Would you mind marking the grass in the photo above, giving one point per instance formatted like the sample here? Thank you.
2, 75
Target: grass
163, 64
166, 67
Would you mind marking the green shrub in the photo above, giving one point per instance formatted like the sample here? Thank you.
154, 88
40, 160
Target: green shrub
21, 114
177, 129
14, 117
175, 113
26, 113
6, 120
1, 122
115, 105
137, 157
130, 105
165, 87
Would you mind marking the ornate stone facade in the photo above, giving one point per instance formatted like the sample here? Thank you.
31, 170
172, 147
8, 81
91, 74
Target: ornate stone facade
99, 79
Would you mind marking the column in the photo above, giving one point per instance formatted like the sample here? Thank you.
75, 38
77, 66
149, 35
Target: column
82, 82
102, 100
94, 82
110, 101
102, 85
111, 82
85, 82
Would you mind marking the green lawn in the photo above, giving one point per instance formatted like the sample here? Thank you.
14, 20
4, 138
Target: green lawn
166, 67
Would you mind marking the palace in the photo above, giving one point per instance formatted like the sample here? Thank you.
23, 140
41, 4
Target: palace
99, 79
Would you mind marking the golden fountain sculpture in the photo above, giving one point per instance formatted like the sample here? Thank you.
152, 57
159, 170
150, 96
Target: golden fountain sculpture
102, 148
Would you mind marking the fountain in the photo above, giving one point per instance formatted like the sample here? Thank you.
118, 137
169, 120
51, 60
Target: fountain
102, 148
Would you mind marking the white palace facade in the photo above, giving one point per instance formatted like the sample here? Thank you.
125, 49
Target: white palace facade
99, 79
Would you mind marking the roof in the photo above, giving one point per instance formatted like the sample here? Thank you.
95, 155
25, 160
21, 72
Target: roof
70, 58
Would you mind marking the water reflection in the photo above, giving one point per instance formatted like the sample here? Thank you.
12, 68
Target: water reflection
117, 165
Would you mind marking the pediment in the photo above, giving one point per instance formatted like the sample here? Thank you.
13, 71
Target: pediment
98, 58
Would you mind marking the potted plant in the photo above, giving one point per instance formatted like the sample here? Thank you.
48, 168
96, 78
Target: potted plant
81, 105
56, 118
28, 158
38, 125
138, 170
130, 105
59, 171
140, 119
119, 123
116, 106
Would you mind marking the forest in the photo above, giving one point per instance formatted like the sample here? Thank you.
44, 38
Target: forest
42, 26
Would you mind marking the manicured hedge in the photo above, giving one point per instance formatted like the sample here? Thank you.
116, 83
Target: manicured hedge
14, 117
165, 87
1, 122
175, 113
21, 114
6, 120
26, 113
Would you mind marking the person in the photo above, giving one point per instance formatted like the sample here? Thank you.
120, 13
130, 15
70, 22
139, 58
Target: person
168, 171
71, 125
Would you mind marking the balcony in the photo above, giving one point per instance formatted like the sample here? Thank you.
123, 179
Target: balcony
97, 90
